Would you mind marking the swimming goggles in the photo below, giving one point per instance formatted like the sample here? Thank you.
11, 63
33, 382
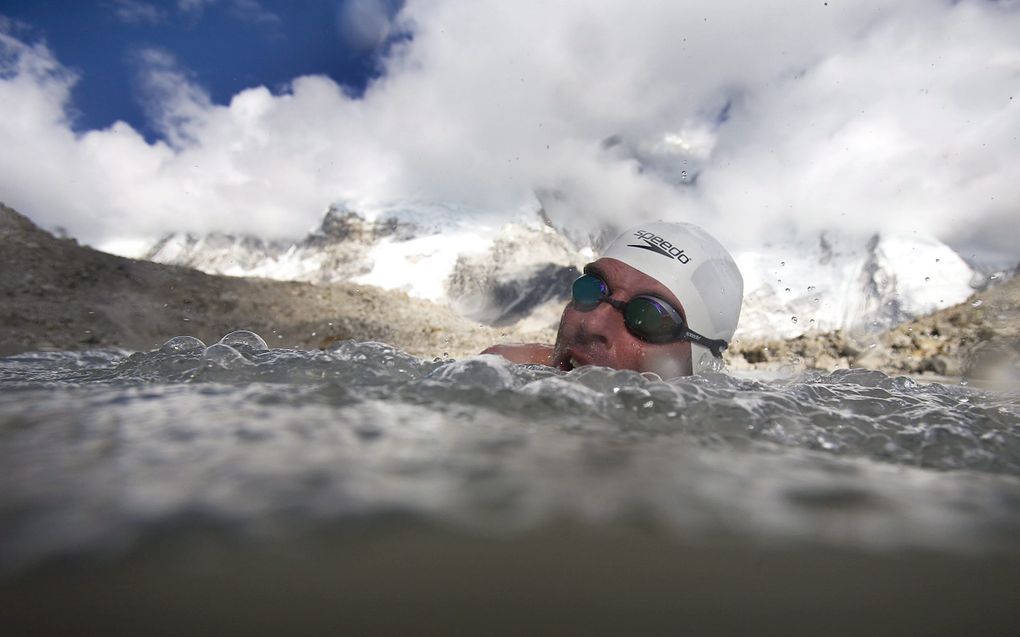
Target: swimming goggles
648, 318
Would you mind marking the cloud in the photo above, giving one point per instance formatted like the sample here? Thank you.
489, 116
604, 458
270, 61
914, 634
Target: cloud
247, 10
252, 11
194, 6
365, 24
137, 12
755, 121
173, 102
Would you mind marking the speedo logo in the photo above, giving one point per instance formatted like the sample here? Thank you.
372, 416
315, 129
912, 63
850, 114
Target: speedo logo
659, 245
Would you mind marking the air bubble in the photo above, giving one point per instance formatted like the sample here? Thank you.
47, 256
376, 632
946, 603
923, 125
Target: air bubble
787, 289
182, 345
245, 342
224, 356
683, 174
793, 319
927, 278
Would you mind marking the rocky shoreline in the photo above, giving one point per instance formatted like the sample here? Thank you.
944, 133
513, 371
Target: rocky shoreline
978, 339
59, 295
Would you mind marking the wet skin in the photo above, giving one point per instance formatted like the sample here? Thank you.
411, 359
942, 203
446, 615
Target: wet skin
599, 336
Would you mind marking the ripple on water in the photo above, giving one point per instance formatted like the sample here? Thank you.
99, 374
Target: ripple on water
254, 436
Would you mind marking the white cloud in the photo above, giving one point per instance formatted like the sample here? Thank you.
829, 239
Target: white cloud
365, 24
137, 12
248, 10
194, 6
789, 117
252, 11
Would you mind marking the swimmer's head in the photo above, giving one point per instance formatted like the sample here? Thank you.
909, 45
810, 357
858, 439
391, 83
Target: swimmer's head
677, 263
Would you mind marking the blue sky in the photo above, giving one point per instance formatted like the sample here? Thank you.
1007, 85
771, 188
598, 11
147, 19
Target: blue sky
225, 45
253, 116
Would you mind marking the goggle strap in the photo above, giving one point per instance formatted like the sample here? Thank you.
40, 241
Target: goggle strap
716, 346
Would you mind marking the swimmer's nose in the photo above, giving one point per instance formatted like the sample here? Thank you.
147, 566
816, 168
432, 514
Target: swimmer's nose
601, 323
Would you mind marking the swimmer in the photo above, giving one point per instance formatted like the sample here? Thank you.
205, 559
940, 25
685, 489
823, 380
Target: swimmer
663, 298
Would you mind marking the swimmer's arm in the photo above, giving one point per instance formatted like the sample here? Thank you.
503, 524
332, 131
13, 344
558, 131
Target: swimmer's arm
524, 353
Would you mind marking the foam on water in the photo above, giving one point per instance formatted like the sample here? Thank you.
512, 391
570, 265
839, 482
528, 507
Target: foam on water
103, 450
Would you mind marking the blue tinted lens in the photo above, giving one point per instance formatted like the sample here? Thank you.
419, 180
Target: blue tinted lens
650, 320
588, 290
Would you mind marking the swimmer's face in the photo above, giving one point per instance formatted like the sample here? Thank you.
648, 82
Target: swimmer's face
599, 336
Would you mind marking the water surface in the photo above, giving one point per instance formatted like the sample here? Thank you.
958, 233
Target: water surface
109, 455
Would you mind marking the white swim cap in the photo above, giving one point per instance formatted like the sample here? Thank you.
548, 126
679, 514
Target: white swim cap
696, 269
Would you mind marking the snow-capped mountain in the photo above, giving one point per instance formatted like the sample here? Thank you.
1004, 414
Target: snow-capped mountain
493, 272
500, 273
848, 283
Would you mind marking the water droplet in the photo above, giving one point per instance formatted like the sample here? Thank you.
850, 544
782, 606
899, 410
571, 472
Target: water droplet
937, 260
977, 303
927, 278
815, 300
182, 345
782, 263
812, 321
683, 174
793, 319
245, 341
224, 356
810, 288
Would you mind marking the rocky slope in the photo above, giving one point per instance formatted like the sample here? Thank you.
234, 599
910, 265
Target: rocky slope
978, 339
59, 295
